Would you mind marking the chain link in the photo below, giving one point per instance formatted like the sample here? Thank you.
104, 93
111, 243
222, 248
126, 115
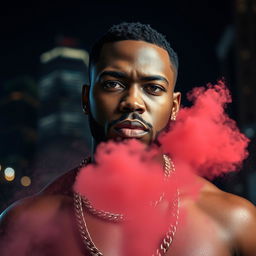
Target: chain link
87, 240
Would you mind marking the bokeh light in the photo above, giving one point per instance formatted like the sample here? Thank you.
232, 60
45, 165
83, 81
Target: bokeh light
25, 181
9, 174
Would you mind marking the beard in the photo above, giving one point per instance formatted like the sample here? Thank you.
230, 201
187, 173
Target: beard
98, 131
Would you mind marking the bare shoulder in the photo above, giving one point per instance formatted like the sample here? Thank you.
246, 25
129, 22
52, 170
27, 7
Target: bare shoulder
234, 213
39, 225
38, 209
225, 205
52, 202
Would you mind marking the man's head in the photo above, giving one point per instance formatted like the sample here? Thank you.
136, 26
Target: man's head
131, 94
132, 31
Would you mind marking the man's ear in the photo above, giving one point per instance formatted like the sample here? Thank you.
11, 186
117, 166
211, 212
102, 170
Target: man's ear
85, 98
175, 104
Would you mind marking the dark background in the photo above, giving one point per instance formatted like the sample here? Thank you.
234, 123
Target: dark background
194, 29
205, 34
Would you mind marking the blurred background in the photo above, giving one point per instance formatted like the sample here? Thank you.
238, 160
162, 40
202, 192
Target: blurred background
44, 58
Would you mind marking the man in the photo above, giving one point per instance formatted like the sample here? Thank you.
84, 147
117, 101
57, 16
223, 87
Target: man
132, 73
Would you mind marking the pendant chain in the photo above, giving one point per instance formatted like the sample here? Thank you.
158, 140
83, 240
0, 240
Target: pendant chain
79, 201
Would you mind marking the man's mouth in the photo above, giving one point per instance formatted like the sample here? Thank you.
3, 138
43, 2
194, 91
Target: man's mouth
131, 129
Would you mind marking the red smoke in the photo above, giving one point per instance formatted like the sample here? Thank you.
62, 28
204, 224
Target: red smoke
125, 180
203, 140
126, 176
204, 137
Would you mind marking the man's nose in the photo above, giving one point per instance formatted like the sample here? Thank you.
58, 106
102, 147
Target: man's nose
132, 100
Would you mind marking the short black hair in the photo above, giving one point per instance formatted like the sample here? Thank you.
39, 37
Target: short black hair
132, 31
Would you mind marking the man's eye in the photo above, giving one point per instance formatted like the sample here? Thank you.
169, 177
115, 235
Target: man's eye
154, 89
112, 85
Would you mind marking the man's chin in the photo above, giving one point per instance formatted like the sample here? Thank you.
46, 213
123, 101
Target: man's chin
145, 140
120, 139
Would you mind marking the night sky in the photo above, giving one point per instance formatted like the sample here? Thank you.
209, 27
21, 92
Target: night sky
193, 28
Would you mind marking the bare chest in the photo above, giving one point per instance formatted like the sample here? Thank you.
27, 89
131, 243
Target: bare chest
196, 235
200, 236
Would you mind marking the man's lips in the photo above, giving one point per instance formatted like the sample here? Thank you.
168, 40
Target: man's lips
131, 129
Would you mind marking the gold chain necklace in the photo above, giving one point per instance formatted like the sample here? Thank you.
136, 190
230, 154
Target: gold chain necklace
114, 217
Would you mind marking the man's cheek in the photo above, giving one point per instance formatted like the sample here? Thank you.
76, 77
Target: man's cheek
98, 112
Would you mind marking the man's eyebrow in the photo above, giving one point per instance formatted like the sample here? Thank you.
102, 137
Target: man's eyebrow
116, 74
119, 74
154, 77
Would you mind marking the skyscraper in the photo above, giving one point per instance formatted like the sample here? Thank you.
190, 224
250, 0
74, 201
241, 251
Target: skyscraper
64, 137
64, 71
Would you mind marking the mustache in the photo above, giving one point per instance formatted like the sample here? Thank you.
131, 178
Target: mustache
132, 115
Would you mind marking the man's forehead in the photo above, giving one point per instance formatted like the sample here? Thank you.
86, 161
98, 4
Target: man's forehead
127, 55
135, 49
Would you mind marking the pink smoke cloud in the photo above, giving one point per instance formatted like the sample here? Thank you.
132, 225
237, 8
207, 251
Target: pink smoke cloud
204, 137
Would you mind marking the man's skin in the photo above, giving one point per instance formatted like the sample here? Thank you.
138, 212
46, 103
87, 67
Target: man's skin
141, 83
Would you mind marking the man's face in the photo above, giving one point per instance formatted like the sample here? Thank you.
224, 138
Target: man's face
131, 92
